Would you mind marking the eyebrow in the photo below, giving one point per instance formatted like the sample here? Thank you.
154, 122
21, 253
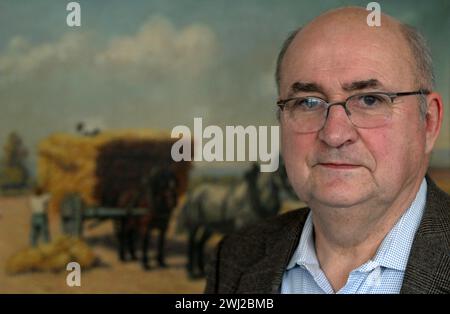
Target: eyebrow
298, 87
358, 85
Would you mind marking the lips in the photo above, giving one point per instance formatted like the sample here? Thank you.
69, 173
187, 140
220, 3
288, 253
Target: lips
339, 166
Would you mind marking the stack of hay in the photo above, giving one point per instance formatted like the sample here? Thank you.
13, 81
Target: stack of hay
122, 165
98, 167
52, 257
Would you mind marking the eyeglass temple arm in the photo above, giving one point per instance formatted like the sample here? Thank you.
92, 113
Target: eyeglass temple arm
419, 92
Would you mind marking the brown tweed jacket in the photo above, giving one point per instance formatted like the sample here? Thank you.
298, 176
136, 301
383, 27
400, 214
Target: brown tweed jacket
254, 260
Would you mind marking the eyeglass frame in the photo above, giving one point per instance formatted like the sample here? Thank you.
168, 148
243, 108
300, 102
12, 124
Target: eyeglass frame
282, 102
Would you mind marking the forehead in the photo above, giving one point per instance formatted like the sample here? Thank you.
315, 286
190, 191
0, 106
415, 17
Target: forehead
330, 53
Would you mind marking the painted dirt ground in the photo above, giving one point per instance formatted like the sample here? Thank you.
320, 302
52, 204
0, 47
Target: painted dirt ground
112, 276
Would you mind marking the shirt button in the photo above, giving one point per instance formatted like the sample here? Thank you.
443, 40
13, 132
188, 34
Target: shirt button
375, 277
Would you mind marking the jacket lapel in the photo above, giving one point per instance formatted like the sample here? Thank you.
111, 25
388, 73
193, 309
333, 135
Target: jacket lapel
428, 268
265, 276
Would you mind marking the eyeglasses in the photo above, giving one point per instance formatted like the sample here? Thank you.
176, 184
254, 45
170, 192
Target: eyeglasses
366, 110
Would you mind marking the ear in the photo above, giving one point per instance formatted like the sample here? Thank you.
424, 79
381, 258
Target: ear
433, 120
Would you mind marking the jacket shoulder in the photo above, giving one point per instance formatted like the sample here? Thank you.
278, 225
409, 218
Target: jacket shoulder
260, 233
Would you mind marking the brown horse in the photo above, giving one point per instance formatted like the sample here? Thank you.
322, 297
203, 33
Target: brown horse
157, 193
129, 226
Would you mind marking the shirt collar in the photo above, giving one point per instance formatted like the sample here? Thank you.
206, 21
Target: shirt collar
305, 252
396, 246
393, 251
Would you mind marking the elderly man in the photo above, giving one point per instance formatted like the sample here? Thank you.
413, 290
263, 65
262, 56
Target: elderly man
359, 119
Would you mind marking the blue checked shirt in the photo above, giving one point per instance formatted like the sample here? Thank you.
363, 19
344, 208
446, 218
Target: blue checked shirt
382, 274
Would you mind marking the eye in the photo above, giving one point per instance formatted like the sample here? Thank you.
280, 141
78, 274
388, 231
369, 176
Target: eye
370, 100
306, 104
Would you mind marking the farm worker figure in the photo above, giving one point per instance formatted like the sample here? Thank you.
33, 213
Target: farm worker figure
39, 219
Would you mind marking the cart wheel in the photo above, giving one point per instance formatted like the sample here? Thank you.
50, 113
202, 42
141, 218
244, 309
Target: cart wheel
72, 215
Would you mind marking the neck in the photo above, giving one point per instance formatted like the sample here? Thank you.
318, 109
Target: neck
346, 238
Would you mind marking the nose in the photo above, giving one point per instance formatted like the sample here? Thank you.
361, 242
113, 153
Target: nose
338, 129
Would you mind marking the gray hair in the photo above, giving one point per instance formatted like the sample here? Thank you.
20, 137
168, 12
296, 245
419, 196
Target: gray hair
284, 47
423, 62
421, 54
419, 49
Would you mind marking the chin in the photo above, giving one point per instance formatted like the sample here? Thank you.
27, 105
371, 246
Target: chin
341, 191
338, 200
343, 180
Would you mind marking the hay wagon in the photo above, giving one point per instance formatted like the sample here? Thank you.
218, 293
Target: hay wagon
86, 174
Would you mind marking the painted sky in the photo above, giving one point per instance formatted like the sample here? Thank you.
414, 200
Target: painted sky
160, 63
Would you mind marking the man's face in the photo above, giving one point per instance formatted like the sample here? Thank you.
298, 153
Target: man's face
342, 165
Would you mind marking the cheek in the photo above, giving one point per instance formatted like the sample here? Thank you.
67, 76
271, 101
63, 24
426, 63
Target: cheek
381, 149
395, 152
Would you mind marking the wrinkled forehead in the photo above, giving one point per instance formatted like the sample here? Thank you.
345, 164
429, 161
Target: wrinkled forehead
345, 48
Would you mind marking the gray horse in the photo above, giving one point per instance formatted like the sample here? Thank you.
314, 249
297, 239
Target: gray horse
225, 208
